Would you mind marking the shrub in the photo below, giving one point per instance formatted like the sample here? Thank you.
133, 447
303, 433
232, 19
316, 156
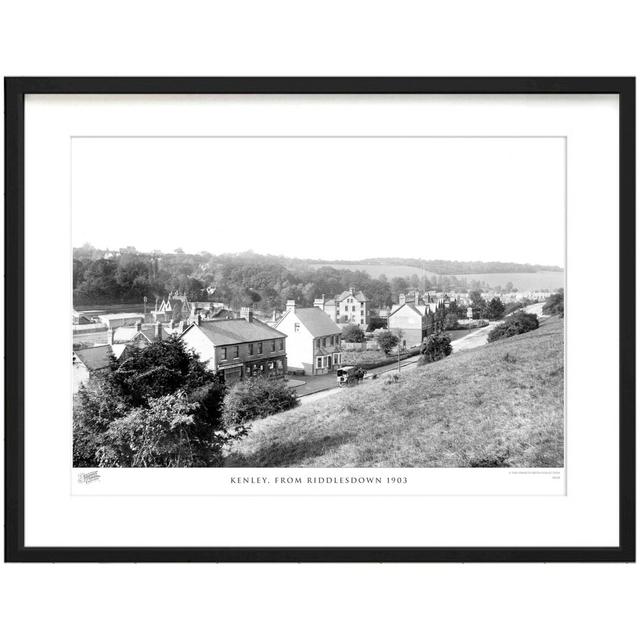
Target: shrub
255, 398
554, 304
436, 347
352, 333
514, 325
122, 418
386, 340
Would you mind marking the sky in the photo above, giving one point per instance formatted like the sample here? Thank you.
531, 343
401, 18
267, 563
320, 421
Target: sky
490, 199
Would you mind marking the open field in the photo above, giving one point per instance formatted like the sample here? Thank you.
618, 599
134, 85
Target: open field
498, 405
374, 270
522, 281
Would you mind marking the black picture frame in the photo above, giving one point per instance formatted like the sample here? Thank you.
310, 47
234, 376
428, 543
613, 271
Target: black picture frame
15, 91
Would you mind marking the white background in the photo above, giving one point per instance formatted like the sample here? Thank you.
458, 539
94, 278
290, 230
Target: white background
331, 38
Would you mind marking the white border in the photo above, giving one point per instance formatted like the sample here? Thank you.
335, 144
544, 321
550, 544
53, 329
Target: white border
586, 516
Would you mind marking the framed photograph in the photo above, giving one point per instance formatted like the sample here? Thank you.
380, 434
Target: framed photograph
320, 319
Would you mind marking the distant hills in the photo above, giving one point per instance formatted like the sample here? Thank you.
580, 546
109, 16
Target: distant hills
443, 267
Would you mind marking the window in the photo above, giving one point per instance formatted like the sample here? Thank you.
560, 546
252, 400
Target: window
335, 358
296, 327
332, 340
281, 347
361, 312
236, 351
251, 349
224, 353
318, 363
273, 345
324, 342
353, 308
318, 343
259, 347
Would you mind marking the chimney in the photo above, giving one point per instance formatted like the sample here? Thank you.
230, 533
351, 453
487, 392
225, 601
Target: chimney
416, 297
291, 305
246, 313
158, 331
402, 299
352, 290
274, 316
111, 334
139, 325
198, 319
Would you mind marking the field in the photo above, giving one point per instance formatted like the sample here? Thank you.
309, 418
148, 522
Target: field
522, 281
374, 270
501, 405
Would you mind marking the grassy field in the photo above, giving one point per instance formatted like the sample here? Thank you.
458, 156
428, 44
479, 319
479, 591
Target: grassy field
501, 405
390, 270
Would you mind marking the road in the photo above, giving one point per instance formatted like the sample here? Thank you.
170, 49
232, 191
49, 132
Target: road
324, 386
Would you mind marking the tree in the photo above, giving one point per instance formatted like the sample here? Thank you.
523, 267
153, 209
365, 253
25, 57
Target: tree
376, 323
386, 340
353, 333
255, 398
514, 325
436, 347
164, 434
450, 321
107, 407
495, 309
478, 303
554, 304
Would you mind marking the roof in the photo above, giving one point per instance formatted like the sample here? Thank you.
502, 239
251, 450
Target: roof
94, 358
223, 332
316, 321
128, 334
409, 305
358, 295
121, 316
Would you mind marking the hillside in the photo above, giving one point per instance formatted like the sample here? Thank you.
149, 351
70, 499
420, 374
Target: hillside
498, 405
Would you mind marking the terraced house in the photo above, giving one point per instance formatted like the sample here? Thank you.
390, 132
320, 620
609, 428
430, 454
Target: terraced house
239, 348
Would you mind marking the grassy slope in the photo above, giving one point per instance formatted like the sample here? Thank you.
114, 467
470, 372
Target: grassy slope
498, 405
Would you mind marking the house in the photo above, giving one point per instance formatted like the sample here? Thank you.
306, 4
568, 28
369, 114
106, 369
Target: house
410, 322
313, 339
238, 348
349, 307
89, 361
139, 336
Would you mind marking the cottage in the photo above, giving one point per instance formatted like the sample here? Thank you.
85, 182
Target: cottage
139, 336
238, 348
350, 307
313, 339
89, 361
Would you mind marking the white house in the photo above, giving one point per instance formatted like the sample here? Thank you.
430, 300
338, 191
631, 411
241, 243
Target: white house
313, 339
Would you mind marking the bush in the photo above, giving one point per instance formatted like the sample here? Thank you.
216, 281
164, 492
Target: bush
436, 347
386, 340
554, 304
121, 417
352, 333
255, 398
514, 325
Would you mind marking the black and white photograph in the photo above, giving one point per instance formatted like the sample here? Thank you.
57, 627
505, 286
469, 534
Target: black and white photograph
318, 301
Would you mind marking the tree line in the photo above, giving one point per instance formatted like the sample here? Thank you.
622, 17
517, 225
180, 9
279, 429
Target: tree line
265, 282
